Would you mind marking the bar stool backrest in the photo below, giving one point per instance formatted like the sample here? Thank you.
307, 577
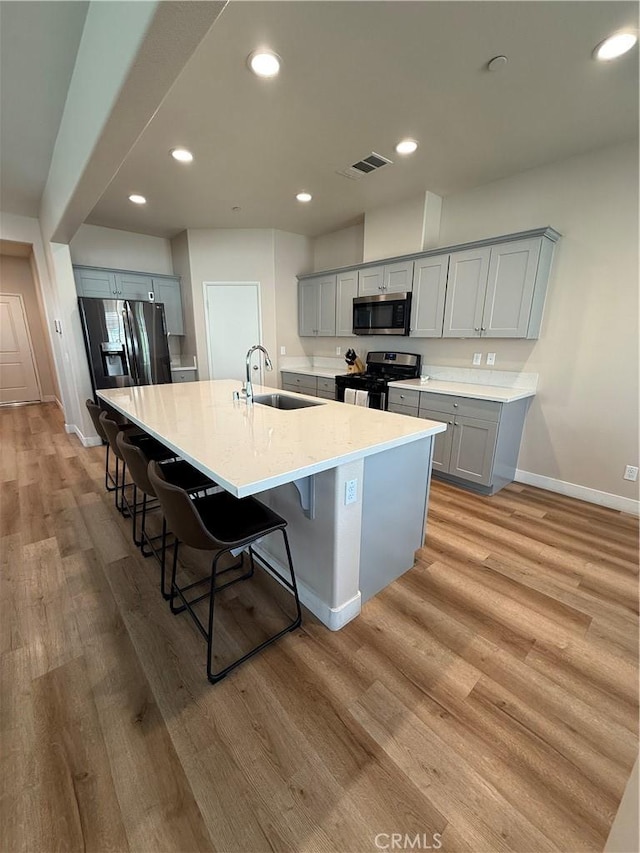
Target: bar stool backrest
179, 511
137, 463
111, 430
94, 411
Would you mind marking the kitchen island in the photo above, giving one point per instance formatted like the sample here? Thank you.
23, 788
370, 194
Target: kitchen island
353, 483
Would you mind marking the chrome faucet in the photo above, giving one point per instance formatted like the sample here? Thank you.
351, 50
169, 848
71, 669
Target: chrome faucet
247, 391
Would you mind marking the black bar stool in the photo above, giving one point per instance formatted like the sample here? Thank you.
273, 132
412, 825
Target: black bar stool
222, 523
95, 411
153, 449
180, 473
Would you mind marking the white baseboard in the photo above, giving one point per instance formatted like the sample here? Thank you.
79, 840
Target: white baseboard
86, 441
583, 493
50, 398
333, 617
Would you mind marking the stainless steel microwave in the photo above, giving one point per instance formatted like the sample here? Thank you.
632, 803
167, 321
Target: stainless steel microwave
386, 314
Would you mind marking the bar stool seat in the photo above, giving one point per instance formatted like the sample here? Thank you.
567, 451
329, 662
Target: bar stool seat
220, 523
95, 411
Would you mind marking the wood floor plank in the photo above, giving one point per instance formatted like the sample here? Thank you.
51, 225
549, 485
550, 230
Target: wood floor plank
81, 806
487, 697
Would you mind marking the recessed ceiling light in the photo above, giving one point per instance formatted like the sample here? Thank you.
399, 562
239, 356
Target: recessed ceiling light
304, 196
264, 63
615, 46
182, 155
137, 199
406, 146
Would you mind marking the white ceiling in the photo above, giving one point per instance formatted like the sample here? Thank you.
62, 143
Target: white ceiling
356, 77
38, 46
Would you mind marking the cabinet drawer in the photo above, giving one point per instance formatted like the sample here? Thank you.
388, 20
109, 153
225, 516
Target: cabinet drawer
327, 395
411, 411
469, 407
183, 376
326, 385
299, 382
404, 397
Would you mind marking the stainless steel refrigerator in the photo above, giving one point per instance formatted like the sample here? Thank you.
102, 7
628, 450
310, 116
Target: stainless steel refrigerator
126, 342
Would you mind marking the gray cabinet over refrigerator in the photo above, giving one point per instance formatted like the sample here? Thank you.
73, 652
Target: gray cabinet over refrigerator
145, 287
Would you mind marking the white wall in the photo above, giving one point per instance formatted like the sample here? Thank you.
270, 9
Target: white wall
293, 254
232, 255
582, 427
95, 246
338, 249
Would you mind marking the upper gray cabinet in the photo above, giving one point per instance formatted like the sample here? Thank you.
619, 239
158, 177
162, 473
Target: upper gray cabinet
168, 291
498, 291
490, 288
429, 288
346, 291
317, 307
388, 278
119, 284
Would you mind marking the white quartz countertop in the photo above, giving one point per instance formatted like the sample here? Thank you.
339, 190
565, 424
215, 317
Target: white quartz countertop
465, 389
323, 372
248, 449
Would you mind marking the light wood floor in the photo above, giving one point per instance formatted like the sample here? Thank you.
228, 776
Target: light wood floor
489, 695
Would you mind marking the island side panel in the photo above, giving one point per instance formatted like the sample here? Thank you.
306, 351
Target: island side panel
395, 497
325, 548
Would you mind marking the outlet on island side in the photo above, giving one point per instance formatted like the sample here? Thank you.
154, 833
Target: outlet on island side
631, 473
350, 492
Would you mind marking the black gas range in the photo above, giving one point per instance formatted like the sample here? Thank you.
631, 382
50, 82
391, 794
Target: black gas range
381, 368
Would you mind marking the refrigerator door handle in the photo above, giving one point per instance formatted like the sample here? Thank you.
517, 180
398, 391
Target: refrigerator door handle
128, 347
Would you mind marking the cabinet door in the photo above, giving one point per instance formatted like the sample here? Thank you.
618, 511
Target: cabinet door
443, 440
427, 304
168, 291
370, 281
466, 288
132, 286
472, 449
307, 307
100, 284
398, 278
327, 307
512, 277
346, 291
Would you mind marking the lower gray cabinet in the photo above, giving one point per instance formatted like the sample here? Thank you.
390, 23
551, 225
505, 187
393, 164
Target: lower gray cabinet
301, 383
481, 444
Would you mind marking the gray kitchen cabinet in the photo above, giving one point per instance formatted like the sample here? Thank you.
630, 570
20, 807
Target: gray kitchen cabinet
473, 444
134, 286
99, 284
326, 387
466, 290
122, 284
498, 291
346, 291
301, 383
442, 443
429, 289
317, 307
168, 291
388, 278
181, 375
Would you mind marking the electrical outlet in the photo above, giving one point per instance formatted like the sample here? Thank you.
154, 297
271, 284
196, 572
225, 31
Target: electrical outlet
631, 473
350, 492
491, 358
477, 358
283, 350
338, 350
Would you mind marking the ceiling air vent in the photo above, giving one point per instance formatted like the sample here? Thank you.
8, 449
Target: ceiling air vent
365, 166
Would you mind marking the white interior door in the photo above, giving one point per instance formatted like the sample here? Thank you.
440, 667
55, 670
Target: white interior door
233, 326
18, 379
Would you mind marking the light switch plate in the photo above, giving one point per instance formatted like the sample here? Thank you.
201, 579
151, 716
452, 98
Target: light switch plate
283, 350
338, 350
477, 358
491, 358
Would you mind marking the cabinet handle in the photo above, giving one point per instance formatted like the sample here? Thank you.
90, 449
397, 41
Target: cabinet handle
484, 328
455, 405
476, 328
456, 423
402, 396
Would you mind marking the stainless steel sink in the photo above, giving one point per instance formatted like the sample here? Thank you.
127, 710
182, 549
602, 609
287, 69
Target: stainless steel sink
283, 401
